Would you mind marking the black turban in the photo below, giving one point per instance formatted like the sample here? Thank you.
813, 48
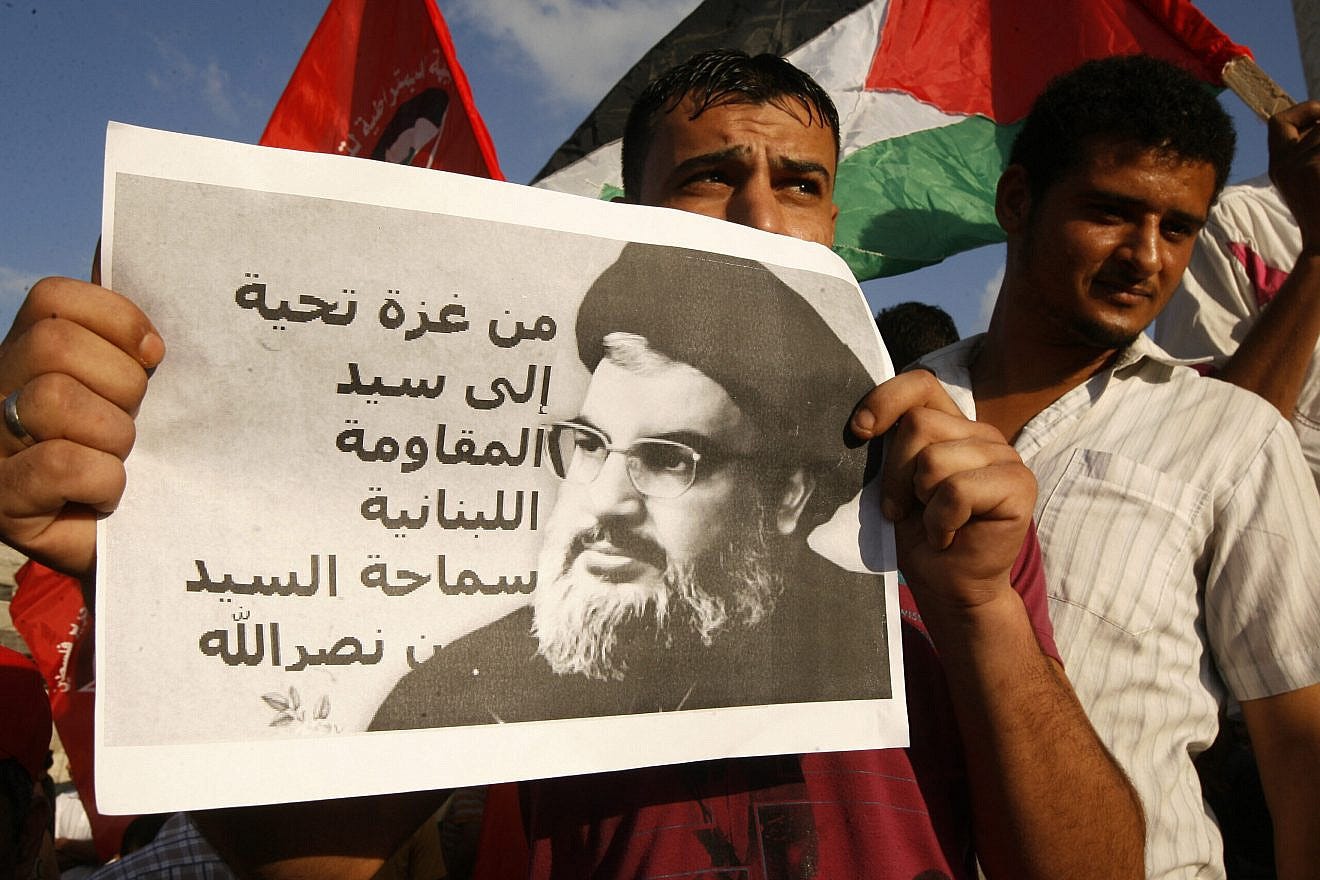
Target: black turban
739, 324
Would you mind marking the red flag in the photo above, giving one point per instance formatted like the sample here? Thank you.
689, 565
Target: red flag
1007, 52
379, 79
48, 613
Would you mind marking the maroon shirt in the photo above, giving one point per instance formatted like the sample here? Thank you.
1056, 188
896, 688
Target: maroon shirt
892, 813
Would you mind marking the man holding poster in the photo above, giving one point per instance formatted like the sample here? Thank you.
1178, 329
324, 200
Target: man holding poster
1002, 762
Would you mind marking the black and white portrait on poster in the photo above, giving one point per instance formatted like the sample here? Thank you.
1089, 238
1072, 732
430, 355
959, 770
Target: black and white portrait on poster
674, 571
513, 483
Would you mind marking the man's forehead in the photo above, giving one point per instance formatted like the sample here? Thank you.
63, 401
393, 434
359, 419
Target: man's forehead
1106, 156
792, 115
693, 105
660, 400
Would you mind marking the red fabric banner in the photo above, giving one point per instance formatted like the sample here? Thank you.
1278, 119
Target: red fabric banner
49, 614
992, 57
379, 79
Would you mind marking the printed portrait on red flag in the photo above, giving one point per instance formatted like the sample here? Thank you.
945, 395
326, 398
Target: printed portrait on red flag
379, 79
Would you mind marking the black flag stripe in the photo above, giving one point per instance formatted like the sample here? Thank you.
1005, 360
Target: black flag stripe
755, 26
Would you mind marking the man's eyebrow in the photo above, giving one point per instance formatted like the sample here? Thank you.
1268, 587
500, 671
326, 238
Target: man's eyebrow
1192, 220
586, 423
738, 151
695, 439
1126, 201
706, 160
800, 166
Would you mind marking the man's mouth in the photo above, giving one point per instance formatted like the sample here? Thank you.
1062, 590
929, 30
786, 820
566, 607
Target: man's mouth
615, 556
612, 566
1123, 291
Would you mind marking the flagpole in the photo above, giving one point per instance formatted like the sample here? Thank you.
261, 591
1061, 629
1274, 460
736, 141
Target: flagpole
1255, 87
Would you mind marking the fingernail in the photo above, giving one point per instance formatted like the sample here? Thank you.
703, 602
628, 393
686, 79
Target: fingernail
151, 350
863, 422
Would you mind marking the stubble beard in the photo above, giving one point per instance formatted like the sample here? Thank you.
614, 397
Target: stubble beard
1104, 337
601, 630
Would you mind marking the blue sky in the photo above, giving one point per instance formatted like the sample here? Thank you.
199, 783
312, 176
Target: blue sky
536, 68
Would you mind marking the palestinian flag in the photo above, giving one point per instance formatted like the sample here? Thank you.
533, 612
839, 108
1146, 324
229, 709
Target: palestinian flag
930, 94
379, 79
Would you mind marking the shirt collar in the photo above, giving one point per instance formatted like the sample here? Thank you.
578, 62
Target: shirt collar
1145, 347
954, 363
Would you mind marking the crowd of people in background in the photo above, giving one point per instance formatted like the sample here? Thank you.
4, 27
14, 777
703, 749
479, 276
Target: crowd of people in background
1109, 557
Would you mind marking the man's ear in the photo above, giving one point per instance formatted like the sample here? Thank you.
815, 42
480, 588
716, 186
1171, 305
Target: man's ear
797, 490
1013, 199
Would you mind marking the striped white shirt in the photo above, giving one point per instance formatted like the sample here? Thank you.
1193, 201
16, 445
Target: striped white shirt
1179, 525
1246, 250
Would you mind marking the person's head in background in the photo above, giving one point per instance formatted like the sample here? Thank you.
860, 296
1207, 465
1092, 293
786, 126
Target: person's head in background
912, 330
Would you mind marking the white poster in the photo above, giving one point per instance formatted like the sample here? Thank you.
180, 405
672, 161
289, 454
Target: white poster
446, 481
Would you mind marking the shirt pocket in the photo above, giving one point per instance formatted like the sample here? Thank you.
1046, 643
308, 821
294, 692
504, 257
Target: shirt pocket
1113, 531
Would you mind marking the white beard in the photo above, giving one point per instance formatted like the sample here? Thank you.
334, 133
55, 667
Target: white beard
589, 627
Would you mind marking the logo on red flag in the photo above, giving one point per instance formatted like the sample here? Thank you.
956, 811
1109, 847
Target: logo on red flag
379, 79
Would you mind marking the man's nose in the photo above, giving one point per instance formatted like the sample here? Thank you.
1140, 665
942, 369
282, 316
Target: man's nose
612, 494
754, 204
1142, 248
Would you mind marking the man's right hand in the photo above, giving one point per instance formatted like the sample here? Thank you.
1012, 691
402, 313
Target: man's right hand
961, 501
959, 496
77, 358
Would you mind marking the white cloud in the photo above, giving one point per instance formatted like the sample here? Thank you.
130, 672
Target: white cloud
578, 47
214, 82
989, 294
210, 81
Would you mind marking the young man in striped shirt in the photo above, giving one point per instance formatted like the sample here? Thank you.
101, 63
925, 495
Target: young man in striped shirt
1176, 515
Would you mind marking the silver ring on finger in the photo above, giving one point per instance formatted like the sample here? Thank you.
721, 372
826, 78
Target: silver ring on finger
13, 423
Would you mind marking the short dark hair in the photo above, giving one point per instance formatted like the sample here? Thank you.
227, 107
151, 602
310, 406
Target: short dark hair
713, 78
914, 329
1123, 100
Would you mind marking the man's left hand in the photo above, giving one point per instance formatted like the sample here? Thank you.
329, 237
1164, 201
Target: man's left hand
1294, 136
